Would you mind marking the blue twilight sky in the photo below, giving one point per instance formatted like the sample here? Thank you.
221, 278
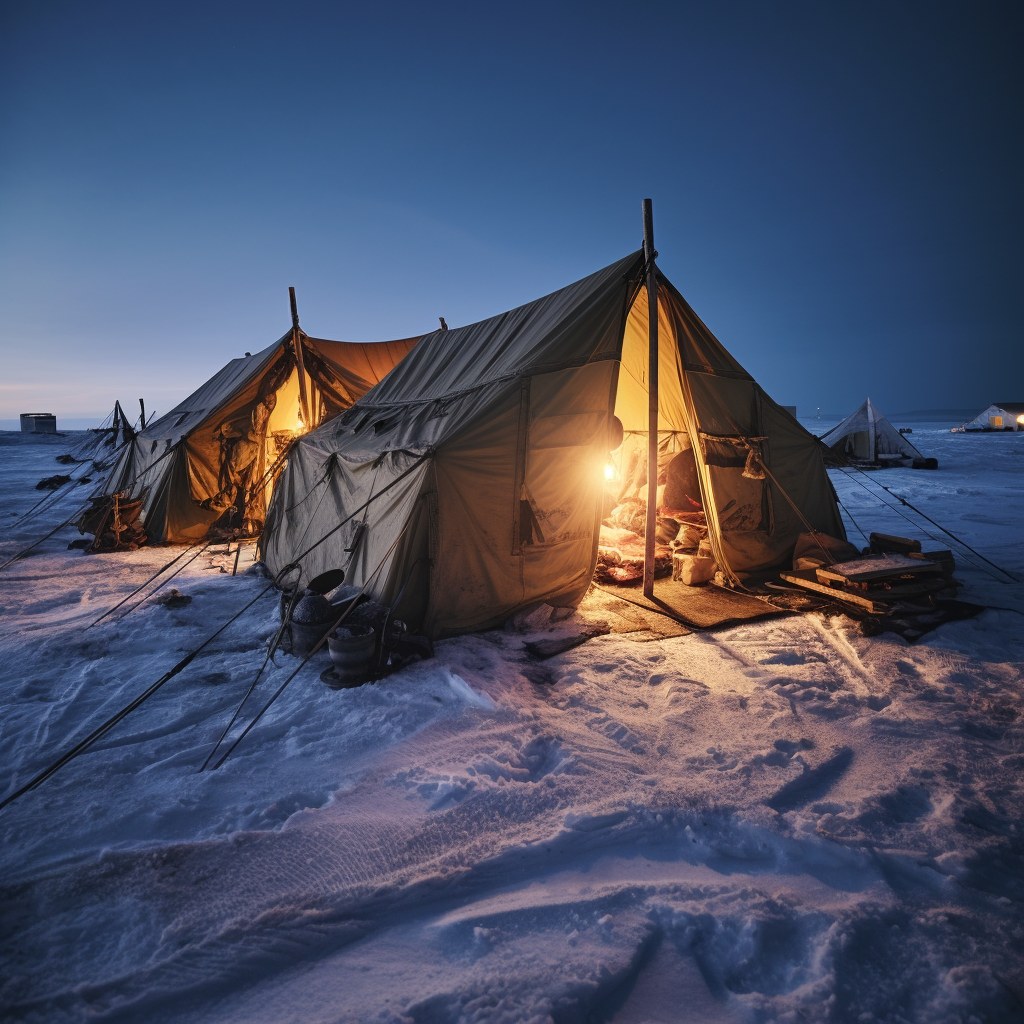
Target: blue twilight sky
837, 187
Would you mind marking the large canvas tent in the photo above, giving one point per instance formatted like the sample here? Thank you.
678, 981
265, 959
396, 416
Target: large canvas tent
867, 436
483, 457
215, 457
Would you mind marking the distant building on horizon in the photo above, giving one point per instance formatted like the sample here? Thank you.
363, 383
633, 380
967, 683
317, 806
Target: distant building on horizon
998, 416
38, 423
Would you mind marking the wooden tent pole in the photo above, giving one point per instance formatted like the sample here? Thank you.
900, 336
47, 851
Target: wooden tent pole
142, 415
652, 399
300, 364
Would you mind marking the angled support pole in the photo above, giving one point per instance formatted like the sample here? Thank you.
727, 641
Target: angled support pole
652, 399
142, 415
300, 364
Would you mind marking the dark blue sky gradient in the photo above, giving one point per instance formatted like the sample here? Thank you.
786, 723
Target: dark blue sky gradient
836, 187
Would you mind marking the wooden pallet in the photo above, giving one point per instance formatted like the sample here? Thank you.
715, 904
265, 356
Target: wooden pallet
876, 600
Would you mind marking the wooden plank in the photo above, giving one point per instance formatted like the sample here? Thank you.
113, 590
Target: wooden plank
875, 567
800, 578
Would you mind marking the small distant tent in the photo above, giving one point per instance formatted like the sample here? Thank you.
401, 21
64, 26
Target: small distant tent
213, 459
483, 457
867, 436
101, 444
998, 416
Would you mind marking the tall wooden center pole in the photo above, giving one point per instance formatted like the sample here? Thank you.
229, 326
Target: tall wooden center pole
652, 400
300, 365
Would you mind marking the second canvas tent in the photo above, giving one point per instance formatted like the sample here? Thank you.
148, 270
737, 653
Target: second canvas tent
866, 436
213, 459
472, 481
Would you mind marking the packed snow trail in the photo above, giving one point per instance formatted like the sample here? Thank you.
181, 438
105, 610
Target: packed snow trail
779, 821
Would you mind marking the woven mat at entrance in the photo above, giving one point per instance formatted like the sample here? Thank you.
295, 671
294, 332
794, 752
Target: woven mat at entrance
704, 607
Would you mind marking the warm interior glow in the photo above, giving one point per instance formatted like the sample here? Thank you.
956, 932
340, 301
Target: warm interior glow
610, 473
286, 417
1020, 419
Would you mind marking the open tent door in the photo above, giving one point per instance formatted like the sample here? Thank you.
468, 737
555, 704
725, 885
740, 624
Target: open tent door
734, 468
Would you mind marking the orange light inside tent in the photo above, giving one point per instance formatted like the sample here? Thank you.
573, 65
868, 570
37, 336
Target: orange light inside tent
1020, 419
610, 472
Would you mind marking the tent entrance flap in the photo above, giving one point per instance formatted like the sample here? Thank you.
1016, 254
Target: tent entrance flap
733, 467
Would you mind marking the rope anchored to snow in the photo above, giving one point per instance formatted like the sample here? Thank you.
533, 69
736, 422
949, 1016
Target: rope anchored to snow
903, 501
109, 724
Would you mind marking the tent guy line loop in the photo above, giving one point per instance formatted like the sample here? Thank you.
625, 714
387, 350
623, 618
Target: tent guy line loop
119, 716
341, 618
903, 501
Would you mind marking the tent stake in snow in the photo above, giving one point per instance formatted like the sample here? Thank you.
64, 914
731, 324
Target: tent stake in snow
652, 399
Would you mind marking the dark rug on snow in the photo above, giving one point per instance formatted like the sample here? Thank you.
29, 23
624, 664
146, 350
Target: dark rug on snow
703, 607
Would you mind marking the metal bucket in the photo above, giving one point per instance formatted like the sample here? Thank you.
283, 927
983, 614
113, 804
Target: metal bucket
311, 618
352, 649
305, 636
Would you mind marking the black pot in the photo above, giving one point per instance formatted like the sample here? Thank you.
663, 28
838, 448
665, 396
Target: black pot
311, 619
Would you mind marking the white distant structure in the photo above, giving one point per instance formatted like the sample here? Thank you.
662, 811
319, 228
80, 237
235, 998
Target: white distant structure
999, 416
866, 436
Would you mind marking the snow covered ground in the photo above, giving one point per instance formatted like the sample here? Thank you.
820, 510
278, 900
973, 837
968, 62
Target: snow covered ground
782, 821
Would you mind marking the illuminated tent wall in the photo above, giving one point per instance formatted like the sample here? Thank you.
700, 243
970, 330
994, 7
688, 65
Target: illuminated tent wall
487, 447
867, 435
247, 412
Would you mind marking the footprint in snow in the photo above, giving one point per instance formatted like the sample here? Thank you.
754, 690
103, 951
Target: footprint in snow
813, 783
788, 658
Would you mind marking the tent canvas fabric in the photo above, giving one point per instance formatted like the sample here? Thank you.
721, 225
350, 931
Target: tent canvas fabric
220, 445
867, 435
483, 455
101, 444
998, 416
